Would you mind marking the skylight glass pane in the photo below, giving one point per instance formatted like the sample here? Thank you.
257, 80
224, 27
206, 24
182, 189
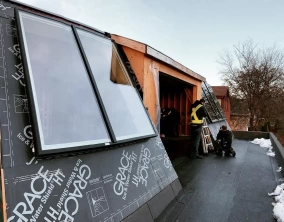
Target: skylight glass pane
212, 105
66, 107
124, 108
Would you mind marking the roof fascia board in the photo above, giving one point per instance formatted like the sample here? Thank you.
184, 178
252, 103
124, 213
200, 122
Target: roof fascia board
162, 57
138, 46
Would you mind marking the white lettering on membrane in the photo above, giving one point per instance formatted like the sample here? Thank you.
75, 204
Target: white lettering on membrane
142, 175
68, 204
69, 200
121, 184
19, 74
16, 50
25, 209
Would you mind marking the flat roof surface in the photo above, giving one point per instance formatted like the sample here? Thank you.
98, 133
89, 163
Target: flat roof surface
226, 188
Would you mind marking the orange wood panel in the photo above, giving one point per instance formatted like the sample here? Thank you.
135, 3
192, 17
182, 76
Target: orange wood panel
136, 60
149, 89
143, 68
179, 75
170, 62
168, 99
138, 46
194, 93
3, 196
158, 56
199, 90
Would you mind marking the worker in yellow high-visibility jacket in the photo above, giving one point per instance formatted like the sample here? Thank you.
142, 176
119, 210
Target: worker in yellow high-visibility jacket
197, 115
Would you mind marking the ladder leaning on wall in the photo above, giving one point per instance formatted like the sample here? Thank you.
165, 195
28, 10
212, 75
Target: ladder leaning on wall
206, 139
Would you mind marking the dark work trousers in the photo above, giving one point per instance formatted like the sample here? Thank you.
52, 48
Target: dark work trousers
195, 130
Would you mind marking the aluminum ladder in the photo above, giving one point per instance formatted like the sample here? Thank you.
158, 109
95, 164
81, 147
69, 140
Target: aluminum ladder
206, 139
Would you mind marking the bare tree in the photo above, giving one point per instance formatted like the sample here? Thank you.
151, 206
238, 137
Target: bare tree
255, 75
239, 114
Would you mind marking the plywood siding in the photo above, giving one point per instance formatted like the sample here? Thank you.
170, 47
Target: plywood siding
179, 101
144, 67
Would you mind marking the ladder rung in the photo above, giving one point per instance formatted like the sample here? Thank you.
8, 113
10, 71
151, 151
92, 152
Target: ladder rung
206, 138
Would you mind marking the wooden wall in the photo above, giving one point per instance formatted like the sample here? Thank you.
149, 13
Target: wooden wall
144, 68
179, 101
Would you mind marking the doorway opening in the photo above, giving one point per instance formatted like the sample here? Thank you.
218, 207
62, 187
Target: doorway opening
176, 98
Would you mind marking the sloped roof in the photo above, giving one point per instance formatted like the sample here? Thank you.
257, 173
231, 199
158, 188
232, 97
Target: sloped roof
221, 90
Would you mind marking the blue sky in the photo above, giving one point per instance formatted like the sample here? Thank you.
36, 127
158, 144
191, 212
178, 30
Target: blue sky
192, 32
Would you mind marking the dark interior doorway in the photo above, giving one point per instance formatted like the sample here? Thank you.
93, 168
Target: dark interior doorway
175, 100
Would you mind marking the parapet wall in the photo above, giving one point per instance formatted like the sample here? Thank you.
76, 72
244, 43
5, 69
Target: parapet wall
278, 149
250, 135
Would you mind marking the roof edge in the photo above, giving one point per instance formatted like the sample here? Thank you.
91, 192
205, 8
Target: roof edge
138, 46
21, 4
150, 51
168, 60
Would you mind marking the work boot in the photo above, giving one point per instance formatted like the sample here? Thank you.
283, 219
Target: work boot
219, 153
227, 154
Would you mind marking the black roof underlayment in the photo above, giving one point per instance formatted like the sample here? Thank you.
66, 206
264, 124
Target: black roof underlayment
226, 188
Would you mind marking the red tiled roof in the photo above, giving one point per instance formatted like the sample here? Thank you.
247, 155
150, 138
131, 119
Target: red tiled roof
220, 90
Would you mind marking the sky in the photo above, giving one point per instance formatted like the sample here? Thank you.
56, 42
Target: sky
192, 32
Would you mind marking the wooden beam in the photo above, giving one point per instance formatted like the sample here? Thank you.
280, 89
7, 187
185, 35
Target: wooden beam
136, 60
178, 74
149, 90
138, 46
3, 196
147, 50
175, 101
194, 93
189, 95
162, 57
186, 116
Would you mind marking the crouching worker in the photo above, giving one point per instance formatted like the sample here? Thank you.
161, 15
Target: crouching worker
224, 139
